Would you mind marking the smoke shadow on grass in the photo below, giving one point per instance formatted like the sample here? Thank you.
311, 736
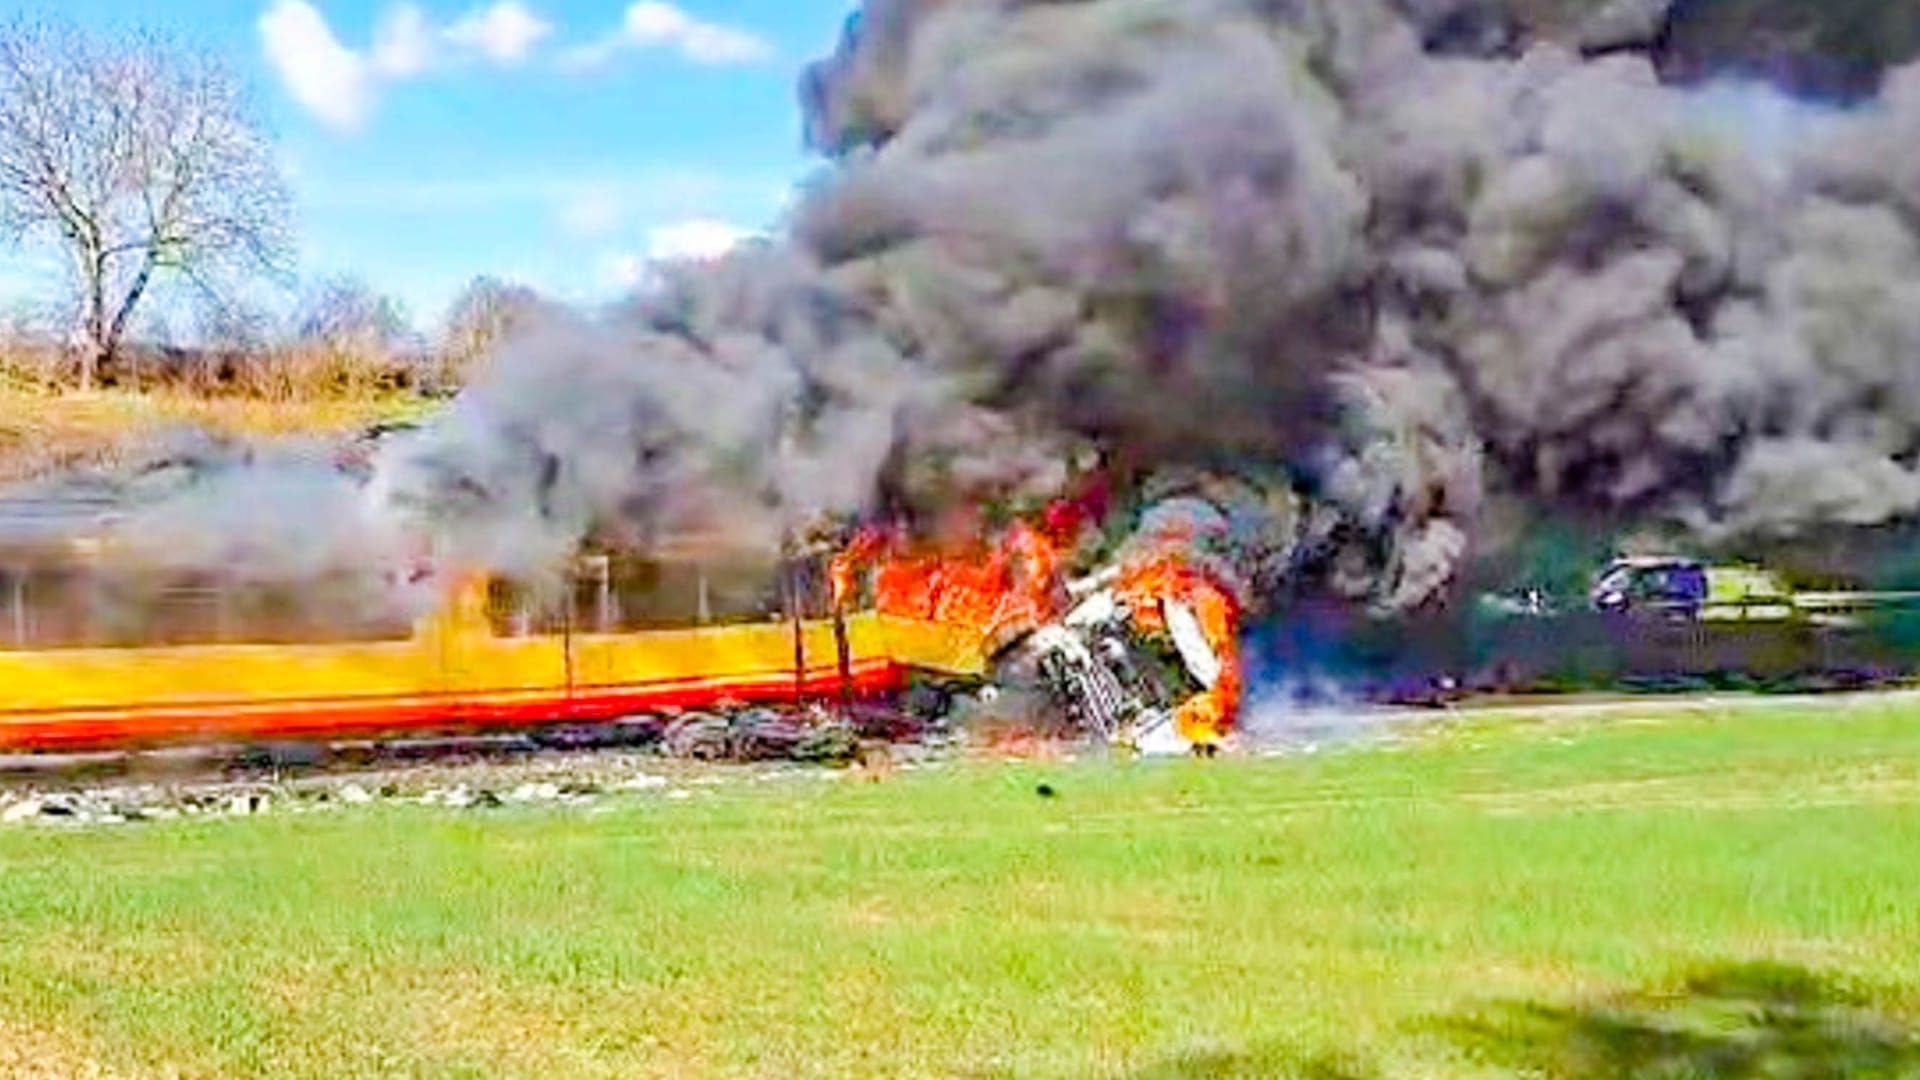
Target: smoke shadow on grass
1745, 1020
1738, 1021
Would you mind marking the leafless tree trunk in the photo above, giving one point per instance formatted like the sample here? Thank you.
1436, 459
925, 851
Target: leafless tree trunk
141, 162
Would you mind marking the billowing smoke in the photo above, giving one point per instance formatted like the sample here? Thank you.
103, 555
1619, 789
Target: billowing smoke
287, 520
1121, 226
1328, 275
1335, 245
745, 402
209, 536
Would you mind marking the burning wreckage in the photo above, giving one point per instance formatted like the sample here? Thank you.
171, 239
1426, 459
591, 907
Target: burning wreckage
1143, 654
1345, 299
103, 647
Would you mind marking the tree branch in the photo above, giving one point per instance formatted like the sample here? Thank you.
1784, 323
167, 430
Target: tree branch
126, 151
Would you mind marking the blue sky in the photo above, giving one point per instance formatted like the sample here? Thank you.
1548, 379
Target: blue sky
556, 142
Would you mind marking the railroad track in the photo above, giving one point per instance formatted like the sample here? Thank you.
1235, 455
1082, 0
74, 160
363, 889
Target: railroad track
345, 757
748, 735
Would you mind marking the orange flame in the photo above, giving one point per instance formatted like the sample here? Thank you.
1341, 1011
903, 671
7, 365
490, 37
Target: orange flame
1145, 586
999, 589
1013, 585
1163, 572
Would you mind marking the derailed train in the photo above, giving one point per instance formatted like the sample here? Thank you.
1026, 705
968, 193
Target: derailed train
1148, 654
207, 659
96, 653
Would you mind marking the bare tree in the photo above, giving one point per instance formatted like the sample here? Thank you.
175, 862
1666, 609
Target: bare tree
233, 338
348, 338
486, 311
347, 312
139, 161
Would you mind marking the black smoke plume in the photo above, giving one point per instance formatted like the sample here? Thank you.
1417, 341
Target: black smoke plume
1356, 270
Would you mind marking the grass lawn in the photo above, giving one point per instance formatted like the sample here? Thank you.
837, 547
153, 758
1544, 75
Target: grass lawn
1694, 895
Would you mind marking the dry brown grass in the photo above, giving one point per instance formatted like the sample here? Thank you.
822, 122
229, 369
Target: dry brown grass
43, 431
32, 1053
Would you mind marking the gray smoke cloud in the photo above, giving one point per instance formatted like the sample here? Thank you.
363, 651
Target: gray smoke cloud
740, 403
1362, 266
1363, 249
276, 539
1649, 311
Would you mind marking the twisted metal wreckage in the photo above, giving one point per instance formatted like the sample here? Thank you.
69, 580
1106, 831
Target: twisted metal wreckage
1088, 641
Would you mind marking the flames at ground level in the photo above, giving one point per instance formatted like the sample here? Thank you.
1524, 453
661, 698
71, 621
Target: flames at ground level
1004, 588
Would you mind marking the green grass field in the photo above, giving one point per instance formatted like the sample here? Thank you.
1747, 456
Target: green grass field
1698, 895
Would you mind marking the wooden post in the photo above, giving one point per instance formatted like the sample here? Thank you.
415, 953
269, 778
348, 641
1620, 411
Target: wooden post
566, 643
844, 648
603, 567
222, 609
19, 577
799, 634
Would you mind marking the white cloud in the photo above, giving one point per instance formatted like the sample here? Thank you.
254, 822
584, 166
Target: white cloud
404, 45
699, 238
331, 81
696, 239
654, 24
340, 85
505, 32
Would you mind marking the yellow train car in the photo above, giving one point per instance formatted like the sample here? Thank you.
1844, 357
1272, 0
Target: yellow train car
475, 662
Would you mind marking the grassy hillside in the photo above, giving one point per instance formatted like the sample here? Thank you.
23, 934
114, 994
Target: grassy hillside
43, 431
1694, 895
